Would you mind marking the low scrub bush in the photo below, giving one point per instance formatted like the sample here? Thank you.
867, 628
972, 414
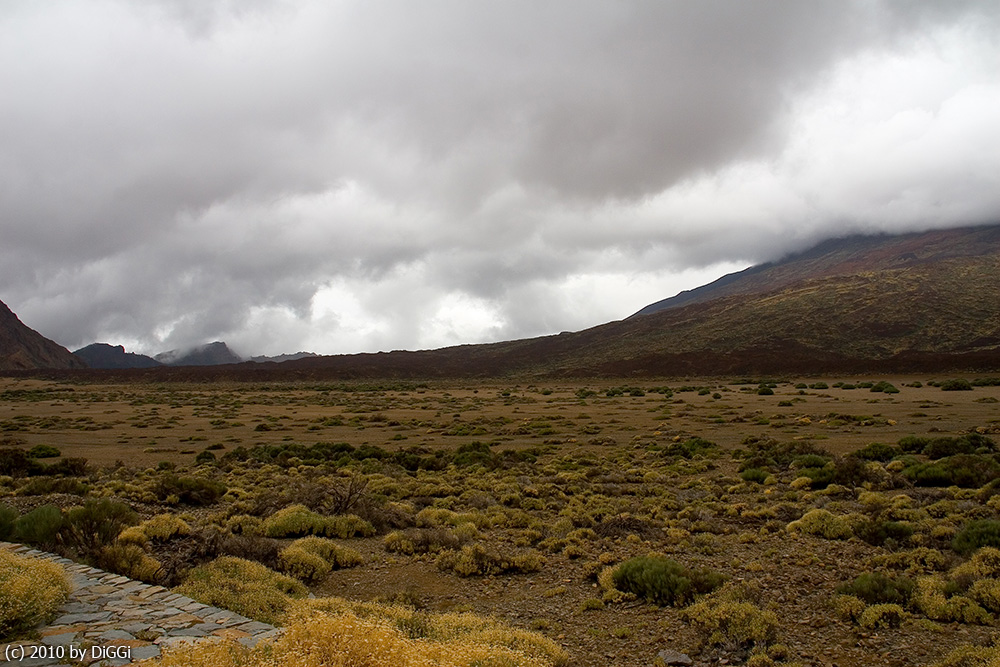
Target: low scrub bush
754, 475
822, 523
299, 521
882, 616
43, 452
8, 520
880, 533
312, 558
242, 586
876, 588
197, 491
976, 534
40, 527
957, 384
663, 581
31, 592
96, 525
130, 560
878, 451
424, 540
940, 600
939, 448
969, 471
158, 529
476, 560
398, 637
44, 486
730, 618
690, 448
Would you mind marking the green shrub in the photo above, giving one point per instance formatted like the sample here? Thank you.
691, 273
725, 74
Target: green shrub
43, 452
31, 592
664, 581
957, 384
14, 462
8, 521
475, 453
204, 456
913, 444
877, 451
690, 448
96, 524
754, 475
188, 490
39, 527
878, 533
976, 534
44, 486
877, 588
884, 387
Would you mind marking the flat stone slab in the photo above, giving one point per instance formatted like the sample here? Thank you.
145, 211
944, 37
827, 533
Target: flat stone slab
107, 610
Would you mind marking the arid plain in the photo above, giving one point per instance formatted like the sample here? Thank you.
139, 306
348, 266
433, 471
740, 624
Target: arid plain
524, 500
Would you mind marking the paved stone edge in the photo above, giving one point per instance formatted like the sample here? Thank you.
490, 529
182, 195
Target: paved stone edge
111, 620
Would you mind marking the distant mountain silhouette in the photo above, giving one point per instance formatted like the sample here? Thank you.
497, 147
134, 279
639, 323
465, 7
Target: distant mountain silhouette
283, 357
211, 354
913, 303
22, 348
102, 355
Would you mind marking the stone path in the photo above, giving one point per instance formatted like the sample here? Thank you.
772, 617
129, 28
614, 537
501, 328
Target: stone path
111, 620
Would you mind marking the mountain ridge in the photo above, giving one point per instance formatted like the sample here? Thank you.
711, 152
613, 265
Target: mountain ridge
105, 355
842, 256
23, 348
216, 353
920, 302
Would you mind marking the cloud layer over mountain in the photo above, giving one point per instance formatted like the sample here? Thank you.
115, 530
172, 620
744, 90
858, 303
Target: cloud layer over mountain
355, 176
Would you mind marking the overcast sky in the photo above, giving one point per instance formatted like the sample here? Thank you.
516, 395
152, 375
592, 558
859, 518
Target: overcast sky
359, 176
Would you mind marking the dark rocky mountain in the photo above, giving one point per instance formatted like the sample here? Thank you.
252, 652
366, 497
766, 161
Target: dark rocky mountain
211, 354
22, 348
103, 355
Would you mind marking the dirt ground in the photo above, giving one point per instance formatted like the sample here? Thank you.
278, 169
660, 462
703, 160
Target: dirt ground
141, 426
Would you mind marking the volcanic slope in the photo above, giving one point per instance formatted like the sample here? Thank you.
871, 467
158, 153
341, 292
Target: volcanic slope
23, 348
914, 302
847, 256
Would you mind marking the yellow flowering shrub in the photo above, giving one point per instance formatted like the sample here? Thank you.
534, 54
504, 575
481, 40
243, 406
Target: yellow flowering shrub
160, 528
312, 558
823, 524
299, 520
346, 639
31, 591
242, 586
728, 617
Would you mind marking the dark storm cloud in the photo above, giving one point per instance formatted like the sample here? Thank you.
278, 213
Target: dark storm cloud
349, 176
